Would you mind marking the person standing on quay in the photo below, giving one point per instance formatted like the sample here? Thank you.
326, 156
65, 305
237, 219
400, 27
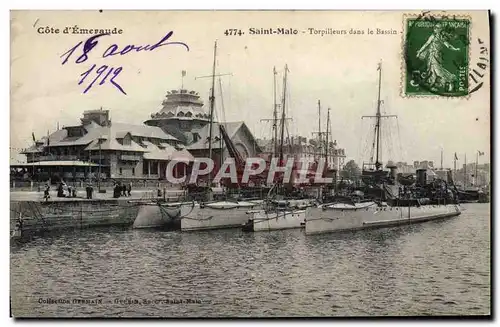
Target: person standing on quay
129, 189
46, 194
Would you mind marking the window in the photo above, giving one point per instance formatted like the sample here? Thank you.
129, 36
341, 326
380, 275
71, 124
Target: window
133, 171
154, 168
121, 171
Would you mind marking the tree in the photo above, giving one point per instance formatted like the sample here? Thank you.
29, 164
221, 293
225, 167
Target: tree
351, 170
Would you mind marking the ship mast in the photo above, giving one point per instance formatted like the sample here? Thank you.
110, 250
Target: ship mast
274, 120
282, 137
212, 106
378, 164
378, 117
326, 137
275, 116
222, 118
319, 129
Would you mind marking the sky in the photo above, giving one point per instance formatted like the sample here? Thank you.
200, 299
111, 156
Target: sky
340, 70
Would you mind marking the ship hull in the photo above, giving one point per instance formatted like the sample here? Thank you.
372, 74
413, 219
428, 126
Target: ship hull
154, 215
275, 220
336, 218
218, 215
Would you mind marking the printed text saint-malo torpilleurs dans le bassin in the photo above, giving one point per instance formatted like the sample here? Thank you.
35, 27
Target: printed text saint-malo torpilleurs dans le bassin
307, 31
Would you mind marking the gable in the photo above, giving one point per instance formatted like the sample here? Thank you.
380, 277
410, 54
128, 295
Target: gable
244, 137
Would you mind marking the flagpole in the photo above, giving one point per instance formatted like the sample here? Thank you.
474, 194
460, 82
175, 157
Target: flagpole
475, 176
441, 158
465, 171
455, 165
183, 73
33, 157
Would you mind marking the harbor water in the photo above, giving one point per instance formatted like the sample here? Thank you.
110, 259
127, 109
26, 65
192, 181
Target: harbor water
433, 268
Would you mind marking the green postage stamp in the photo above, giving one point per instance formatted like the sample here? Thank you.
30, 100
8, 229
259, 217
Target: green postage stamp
436, 53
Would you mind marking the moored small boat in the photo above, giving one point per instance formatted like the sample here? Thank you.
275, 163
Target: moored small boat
216, 215
159, 215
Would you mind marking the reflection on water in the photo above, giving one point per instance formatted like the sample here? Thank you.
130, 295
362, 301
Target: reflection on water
432, 268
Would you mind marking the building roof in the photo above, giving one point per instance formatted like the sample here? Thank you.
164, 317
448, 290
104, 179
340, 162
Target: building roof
141, 130
153, 152
204, 132
51, 139
56, 163
166, 152
114, 131
113, 144
182, 105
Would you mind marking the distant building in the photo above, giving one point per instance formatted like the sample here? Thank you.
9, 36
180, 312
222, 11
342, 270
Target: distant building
405, 168
469, 178
424, 164
301, 147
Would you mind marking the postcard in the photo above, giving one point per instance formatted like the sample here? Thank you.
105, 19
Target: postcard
190, 164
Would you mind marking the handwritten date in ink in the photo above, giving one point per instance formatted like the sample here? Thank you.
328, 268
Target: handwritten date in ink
106, 73
100, 72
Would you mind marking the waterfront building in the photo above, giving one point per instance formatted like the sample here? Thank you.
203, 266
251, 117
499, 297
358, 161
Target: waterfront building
183, 115
98, 148
301, 147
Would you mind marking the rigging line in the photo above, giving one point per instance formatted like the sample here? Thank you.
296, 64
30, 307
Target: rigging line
289, 126
361, 148
392, 136
216, 115
373, 144
366, 147
384, 143
390, 152
229, 93
293, 125
223, 110
289, 145
370, 147
403, 155
395, 148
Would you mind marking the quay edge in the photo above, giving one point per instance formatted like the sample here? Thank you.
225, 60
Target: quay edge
35, 217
